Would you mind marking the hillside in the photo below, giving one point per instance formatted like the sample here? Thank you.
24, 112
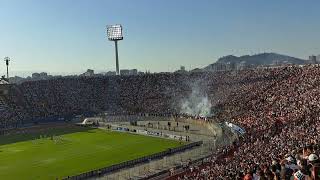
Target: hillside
259, 59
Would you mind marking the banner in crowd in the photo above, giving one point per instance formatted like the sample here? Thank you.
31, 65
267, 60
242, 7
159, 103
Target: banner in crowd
119, 128
154, 133
236, 128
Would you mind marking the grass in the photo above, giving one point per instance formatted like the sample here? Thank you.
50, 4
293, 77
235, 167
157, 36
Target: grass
74, 151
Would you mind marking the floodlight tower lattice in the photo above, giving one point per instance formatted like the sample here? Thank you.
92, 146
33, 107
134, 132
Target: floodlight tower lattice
7, 60
114, 33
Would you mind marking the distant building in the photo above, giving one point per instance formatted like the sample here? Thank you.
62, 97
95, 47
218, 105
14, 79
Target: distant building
111, 73
241, 65
133, 72
35, 75
89, 73
128, 72
16, 79
43, 75
124, 72
230, 66
218, 67
318, 59
181, 70
313, 59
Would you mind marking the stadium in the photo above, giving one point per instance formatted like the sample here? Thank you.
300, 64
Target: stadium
57, 132
251, 115
264, 116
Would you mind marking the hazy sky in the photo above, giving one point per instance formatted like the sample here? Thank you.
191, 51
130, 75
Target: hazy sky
65, 36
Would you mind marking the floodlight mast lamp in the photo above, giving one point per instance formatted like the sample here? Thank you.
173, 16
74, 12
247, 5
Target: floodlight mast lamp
114, 33
7, 59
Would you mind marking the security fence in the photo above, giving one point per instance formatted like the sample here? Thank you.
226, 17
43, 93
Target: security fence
131, 163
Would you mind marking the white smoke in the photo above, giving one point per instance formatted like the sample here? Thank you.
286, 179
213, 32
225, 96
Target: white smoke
197, 103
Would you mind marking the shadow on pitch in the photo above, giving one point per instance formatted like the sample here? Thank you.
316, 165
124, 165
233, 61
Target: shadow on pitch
33, 133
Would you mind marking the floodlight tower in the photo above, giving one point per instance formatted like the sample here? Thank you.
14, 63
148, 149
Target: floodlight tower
114, 33
7, 59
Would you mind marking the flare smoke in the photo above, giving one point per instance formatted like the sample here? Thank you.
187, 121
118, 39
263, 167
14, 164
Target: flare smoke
197, 103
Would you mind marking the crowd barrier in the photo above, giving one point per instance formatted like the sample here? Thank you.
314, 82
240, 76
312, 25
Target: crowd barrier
131, 163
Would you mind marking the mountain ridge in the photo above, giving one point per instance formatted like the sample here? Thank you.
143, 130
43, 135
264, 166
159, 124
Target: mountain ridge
262, 59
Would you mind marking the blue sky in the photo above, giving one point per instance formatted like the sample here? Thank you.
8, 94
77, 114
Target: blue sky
68, 36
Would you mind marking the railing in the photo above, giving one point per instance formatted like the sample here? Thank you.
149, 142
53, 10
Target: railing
131, 163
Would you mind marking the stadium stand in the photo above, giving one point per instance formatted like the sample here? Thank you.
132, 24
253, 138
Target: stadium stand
3, 105
278, 107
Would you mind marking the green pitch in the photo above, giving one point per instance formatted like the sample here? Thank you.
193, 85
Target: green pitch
62, 152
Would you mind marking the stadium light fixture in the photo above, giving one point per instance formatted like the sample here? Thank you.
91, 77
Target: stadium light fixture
114, 33
7, 60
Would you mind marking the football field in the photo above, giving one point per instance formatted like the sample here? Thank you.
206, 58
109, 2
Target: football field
62, 152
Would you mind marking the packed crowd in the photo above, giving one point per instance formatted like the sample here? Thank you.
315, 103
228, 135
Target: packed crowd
280, 111
278, 107
11, 114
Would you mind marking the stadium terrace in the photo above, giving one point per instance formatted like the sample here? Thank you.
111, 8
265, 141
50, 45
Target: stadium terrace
277, 107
